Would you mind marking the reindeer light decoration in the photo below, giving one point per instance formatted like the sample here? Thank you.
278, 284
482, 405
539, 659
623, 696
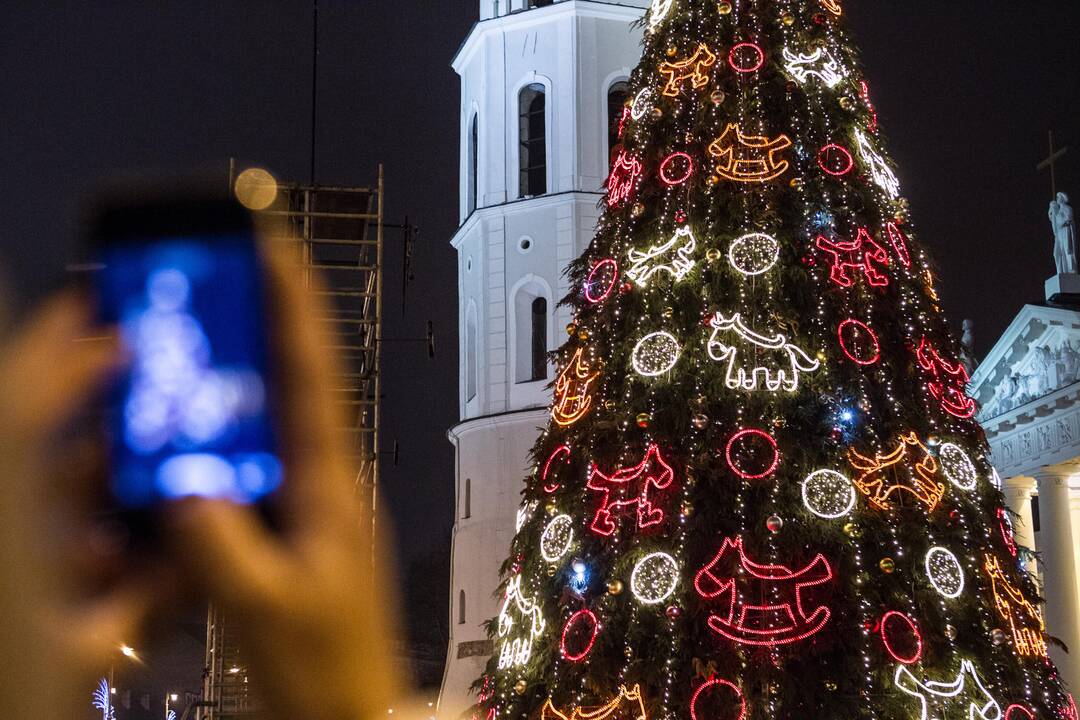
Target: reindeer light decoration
912, 460
860, 256
985, 707
1024, 617
948, 381
820, 64
694, 68
631, 488
876, 166
674, 257
623, 179
779, 362
626, 705
518, 650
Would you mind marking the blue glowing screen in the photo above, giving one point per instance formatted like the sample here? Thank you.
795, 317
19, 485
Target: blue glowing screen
189, 417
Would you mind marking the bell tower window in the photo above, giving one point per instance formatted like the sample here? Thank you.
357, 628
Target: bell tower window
532, 134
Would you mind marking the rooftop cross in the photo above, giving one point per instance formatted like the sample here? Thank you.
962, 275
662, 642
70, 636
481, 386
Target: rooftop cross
1050, 162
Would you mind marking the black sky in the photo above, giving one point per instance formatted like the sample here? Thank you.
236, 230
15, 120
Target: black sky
965, 89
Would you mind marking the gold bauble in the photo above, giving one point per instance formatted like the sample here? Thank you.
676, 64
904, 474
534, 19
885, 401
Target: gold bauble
672, 51
571, 329
643, 420
657, 112
615, 587
667, 313
717, 97
788, 19
853, 531
846, 102
724, 8
583, 334
638, 210
520, 687
551, 570
714, 179
713, 255
796, 183
887, 565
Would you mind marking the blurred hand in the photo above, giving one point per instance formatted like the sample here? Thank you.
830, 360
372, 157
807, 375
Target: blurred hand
65, 610
314, 622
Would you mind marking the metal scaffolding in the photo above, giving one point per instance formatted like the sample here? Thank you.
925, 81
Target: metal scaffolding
338, 235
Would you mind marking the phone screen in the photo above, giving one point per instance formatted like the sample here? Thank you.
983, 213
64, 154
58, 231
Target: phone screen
190, 417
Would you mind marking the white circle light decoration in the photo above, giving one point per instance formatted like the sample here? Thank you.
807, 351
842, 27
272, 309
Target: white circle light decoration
557, 537
754, 254
655, 354
642, 104
654, 578
828, 494
957, 466
944, 572
659, 11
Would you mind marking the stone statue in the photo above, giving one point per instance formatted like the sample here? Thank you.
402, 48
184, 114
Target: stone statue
1061, 218
967, 347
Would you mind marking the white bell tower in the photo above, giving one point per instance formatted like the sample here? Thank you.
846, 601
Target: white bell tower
542, 83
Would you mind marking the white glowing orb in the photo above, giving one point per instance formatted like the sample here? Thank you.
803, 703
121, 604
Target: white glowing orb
655, 354
654, 578
754, 254
944, 572
556, 538
958, 467
828, 494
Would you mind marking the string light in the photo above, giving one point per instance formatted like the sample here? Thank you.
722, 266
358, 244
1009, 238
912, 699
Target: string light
674, 257
557, 538
623, 179
518, 650
694, 68
745, 440
864, 93
754, 253
784, 360
879, 171
820, 64
828, 494
749, 158
907, 683
711, 685
944, 572
654, 578
572, 398
739, 53
890, 634
781, 618
629, 701
655, 354
582, 618
861, 255
948, 381
1006, 528
628, 489
672, 177
876, 480
957, 466
835, 160
602, 280
1024, 617
859, 342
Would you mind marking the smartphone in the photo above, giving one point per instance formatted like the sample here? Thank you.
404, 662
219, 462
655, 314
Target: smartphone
181, 278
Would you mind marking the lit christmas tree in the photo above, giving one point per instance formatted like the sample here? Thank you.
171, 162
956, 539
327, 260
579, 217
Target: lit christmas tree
762, 493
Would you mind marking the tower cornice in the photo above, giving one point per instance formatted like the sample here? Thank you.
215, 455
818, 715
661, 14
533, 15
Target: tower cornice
535, 16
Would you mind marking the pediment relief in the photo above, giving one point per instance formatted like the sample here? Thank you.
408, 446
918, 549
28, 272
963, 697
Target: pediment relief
1038, 355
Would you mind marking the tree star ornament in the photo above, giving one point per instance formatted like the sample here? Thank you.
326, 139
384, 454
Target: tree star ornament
655, 354
654, 578
778, 362
828, 494
944, 572
754, 253
557, 538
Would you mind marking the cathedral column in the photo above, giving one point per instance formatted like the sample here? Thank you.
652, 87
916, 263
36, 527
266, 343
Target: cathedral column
1018, 491
1059, 567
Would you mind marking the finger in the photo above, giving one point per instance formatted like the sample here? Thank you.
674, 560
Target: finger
312, 422
227, 550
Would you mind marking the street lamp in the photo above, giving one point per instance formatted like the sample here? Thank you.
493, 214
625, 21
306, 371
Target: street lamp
129, 652
170, 698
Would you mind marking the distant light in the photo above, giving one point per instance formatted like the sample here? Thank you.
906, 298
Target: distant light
389, 711
256, 188
234, 670
847, 416
112, 691
129, 651
174, 697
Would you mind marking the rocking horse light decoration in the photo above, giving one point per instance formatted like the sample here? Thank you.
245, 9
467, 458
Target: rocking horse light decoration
749, 158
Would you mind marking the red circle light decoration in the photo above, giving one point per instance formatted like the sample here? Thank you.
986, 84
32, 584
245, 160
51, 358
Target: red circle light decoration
896, 627
762, 445
1014, 707
570, 634
899, 243
598, 287
552, 486
835, 160
859, 342
743, 51
710, 686
673, 175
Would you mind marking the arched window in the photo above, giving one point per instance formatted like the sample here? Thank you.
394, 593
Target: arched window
539, 339
472, 197
532, 141
466, 502
461, 607
471, 350
530, 335
616, 101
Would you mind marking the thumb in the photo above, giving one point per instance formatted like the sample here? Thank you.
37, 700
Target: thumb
226, 550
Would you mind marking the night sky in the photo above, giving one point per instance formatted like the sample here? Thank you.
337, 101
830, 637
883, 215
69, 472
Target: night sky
965, 89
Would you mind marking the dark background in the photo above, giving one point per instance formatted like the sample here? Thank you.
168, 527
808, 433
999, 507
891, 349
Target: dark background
965, 90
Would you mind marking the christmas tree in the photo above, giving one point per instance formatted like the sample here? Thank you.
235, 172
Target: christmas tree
762, 493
